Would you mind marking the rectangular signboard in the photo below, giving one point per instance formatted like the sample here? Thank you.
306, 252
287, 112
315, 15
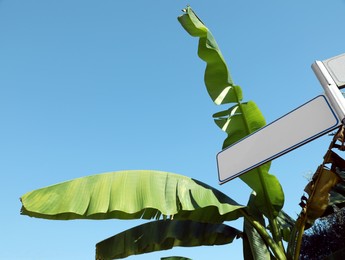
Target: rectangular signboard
300, 126
336, 68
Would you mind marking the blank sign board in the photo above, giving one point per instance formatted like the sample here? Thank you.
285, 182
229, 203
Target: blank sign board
302, 125
336, 67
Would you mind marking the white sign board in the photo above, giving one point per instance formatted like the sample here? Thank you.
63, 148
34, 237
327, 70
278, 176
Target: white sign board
336, 68
302, 125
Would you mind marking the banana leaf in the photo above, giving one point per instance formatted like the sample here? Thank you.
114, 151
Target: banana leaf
318, 190
217, 76
131, 195
239, 121
337, 193
254, 247
242, 119
286, 224
163, 235
337, 196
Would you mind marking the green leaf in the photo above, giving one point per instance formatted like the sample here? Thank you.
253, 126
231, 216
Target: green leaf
241, 119
254, 247
337, 196
247, 252
131, 195
269, 194
286, 224
192, 24
163, 235
337, 193
217, 77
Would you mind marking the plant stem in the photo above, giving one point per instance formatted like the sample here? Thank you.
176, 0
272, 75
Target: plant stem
275, 247
275, 233
272, 221
295, 241
299, 238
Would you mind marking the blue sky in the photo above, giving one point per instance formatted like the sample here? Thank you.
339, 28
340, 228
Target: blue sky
95, 86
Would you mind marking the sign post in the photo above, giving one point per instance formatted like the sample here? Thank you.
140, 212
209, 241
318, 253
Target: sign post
311, 120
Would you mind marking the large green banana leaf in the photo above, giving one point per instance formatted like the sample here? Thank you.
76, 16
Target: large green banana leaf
163, 235
217, 76
254, 247
131, 195
241, 119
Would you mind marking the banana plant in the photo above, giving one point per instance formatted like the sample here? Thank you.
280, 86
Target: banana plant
324, 191
191, 212
238, 121
185, 212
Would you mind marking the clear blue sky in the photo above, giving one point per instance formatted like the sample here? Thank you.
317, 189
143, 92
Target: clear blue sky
94, 86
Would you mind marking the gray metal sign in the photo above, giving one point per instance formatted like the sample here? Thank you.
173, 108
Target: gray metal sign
311, 120
336, 68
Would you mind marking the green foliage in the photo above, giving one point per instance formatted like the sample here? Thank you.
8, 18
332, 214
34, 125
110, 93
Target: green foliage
163, 235
254, 246
217, 77
160, 195
241, 119
286, 223
131, 195
153, 194
188, 212
337, 193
